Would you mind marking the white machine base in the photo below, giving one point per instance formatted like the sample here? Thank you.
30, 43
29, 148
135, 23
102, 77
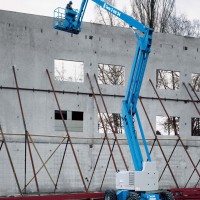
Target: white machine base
145, 180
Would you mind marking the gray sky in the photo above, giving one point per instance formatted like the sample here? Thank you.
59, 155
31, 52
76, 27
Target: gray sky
46, 7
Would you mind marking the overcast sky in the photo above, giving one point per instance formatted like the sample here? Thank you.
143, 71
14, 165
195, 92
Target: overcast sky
45, 7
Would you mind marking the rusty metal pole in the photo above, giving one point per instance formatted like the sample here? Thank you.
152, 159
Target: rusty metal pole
41, 159
60, 167
116, 139
194, 92
32, 163
10, 159
158, 143
191, 98
197, 183
25, 138
107, 167
175, 127
169, 159
191, 175
65, 126
154, 141
97, 160
26, 131
106, 136
45, 162
1, 145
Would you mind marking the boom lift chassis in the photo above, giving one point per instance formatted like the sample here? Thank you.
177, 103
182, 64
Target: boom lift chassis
143, 182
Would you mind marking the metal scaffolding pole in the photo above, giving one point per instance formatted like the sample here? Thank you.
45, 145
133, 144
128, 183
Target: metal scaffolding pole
112, 128
194, 92
106, 136
26, 132
43, 164
159, 143
191, 98
66, 130
174, 126
61, 166
1, 145
192, 175
10, 159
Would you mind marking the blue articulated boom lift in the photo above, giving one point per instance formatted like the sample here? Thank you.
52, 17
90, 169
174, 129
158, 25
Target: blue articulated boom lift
142, 183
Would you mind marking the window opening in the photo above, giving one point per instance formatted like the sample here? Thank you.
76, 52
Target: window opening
109, 74
195, 125
71, 71
115, 120
77, 116
165, 126
57, 115
196, 81
73, 120
167, 79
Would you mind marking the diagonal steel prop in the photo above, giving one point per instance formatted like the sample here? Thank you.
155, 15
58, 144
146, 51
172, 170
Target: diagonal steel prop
66, 130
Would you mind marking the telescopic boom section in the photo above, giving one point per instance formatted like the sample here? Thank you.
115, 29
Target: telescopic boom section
132, 94
134, 84
126, 18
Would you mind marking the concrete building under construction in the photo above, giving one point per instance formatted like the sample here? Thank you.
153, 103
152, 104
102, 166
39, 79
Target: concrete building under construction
43, 71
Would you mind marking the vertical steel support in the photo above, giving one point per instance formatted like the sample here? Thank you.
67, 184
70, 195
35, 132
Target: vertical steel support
10, 159
175, 126
158, 143
106, 136
26, 131
191, 98
65, 126
114, 133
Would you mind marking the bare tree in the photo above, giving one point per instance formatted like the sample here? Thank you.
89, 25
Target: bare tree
167, 126
114, 119
195, 127
111, 74
196, 82
153, 13
157, 14
181, 25
107, 18
167, 79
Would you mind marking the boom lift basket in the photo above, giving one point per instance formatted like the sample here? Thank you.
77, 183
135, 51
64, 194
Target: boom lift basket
66, 20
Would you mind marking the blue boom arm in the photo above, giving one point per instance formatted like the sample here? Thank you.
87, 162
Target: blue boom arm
71, 22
